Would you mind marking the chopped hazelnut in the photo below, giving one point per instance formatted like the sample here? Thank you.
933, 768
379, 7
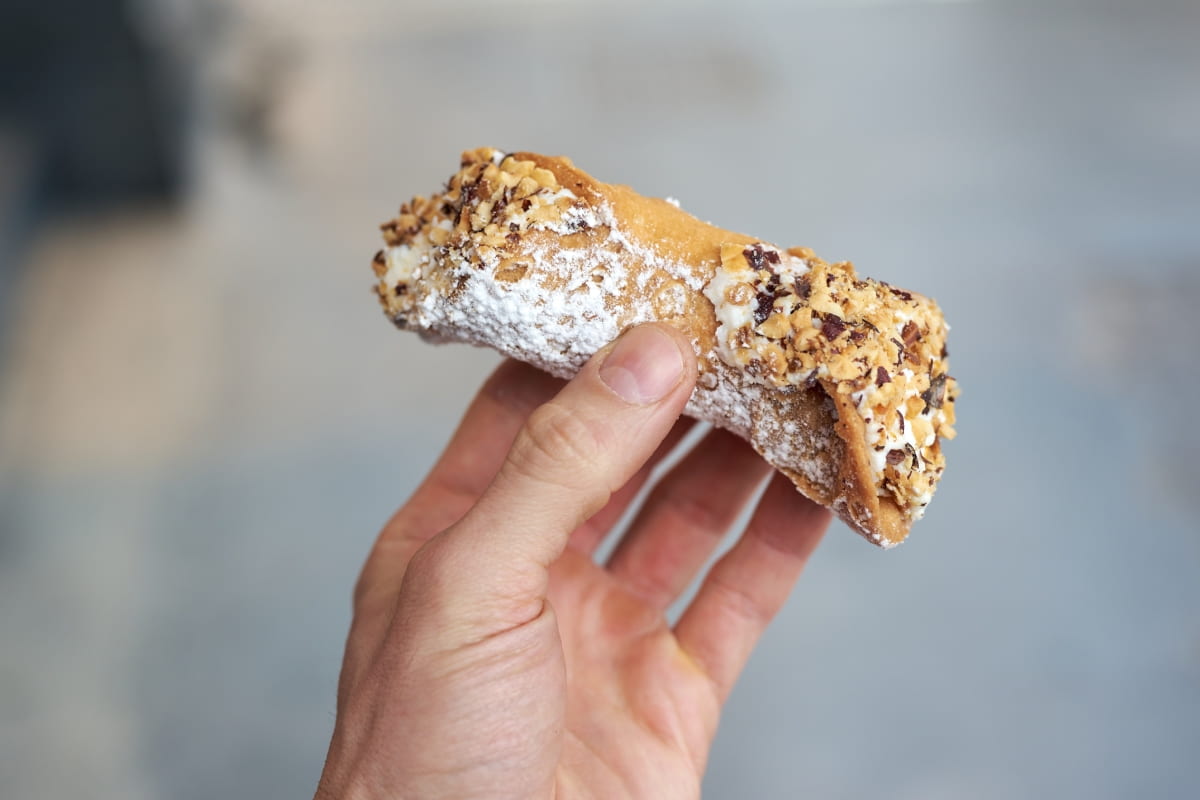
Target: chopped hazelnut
481, 216
525, 187
545, 178
775, 360
739, 294
732, 258
511, 272
921, 428
776, 327
547, 213
843, 369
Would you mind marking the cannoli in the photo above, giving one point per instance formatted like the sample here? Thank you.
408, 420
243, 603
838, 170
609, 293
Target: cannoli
840, 382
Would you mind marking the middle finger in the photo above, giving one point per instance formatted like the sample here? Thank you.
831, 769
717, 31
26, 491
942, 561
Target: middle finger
685, 517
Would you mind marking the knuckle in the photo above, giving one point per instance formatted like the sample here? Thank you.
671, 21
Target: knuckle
698, 512
429, 569
555, 442
741, 602
387, 551
366, 587
359, 597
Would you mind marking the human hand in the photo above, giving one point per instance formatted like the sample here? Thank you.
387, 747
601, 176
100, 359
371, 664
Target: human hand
489, 656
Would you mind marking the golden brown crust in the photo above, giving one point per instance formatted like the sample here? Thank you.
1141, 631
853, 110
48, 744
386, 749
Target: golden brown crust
838, 381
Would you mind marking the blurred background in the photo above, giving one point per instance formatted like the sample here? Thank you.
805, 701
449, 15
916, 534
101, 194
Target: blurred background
204, 419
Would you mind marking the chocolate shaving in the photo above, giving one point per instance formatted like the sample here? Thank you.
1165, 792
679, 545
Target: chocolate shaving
379, 258
401, 289
514, 227
882, 377
526, 204
935, 395
513, 237
771, 256
900, 416
754, 255
911, 333
857, 336
832, 327
916, 459
894, 457
764, 308
900, 293
803, 287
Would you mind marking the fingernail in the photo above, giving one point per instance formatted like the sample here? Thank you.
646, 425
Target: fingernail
644, 366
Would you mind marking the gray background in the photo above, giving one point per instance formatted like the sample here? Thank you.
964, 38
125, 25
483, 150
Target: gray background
204, 419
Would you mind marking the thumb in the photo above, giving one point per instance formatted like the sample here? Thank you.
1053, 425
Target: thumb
568, 459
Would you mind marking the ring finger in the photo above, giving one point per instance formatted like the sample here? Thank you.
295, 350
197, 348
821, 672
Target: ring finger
685, 517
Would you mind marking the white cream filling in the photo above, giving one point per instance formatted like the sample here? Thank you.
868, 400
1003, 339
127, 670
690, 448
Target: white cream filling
404, 262
731, 317
882, 438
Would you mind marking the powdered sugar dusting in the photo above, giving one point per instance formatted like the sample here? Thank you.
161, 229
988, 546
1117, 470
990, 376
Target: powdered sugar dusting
569, 303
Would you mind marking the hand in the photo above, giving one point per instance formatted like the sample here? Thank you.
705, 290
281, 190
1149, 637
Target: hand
490, 656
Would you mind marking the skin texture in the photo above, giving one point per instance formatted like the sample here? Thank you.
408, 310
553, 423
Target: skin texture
490, 656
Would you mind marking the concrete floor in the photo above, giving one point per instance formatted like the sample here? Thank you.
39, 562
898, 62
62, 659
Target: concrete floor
204, 420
